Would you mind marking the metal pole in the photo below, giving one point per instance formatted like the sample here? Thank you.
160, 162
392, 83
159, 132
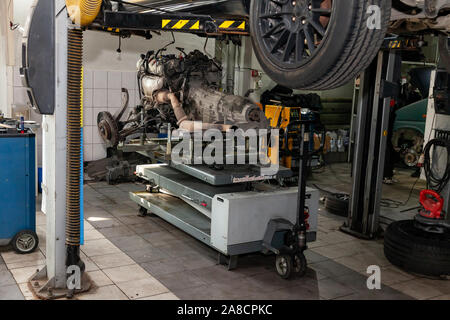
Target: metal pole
383, 134
301, 179
54, 150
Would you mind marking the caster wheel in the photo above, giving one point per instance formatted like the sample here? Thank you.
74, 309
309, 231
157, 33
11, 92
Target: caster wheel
284, 265
143, 212
25, 242
300, 264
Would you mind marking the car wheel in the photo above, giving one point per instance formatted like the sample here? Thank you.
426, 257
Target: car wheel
317, 44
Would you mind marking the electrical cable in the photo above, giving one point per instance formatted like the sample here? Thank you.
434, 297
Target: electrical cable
434, 182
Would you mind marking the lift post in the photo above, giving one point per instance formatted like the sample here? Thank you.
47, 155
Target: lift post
378, 87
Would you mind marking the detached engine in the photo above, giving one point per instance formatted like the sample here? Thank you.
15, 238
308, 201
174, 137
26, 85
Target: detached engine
181, 91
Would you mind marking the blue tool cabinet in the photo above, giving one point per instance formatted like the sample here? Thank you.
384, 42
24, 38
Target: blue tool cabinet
17, 191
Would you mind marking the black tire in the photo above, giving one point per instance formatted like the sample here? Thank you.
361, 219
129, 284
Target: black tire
417, 251
25, 241
300, 264
284, 265
337, 204
346, 49
143, 212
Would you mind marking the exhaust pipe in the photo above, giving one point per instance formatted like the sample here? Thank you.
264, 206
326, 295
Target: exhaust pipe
165, 96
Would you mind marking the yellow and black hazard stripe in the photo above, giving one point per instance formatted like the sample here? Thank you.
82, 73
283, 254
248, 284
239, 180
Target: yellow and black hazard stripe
232, 25
116, 30
193, 25
181, 24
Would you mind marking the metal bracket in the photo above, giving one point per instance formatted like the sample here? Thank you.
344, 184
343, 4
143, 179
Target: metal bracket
200, 24
44, 288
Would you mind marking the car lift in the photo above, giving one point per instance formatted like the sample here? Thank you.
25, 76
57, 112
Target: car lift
377, 88
379, 85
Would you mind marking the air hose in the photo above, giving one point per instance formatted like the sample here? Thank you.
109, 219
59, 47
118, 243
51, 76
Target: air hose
73, 166
435, 182
83, 12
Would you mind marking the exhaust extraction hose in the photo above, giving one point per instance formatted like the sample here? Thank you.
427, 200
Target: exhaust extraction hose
73, 166
83, 12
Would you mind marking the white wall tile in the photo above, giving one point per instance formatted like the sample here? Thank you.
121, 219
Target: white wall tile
114, 80
20, 96
88, 117
87, 152
98, 152
95, 113
87, 134
88, 98
129, 80
96, 139
137, 100
88, 79
114, 99
100, 79
100, 98
17, 81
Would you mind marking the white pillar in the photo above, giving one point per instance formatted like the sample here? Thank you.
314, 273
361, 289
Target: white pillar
54, 159
3, 53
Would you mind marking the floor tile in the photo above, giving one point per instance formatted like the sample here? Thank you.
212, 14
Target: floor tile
121, 231
180, 280
331, 289
22, 275
99, 247
14, 260
164, 266
6, 278
142, 288
132, 220
11, 292
147, 254
100, 222
111, 292
147, 227
92, 235
416, 289
112, 260
26, 292
162, 296
444, 297
126, 273
99, 279
391, 275
158, 239
130, 243
330, 268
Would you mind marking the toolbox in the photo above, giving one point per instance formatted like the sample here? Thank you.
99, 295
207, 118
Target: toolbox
17, 189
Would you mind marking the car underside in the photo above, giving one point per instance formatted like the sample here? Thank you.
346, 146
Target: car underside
301, 44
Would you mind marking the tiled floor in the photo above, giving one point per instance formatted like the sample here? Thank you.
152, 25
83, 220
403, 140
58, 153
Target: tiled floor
130, 257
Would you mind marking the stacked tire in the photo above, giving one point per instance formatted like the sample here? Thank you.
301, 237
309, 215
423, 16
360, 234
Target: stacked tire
417, 251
